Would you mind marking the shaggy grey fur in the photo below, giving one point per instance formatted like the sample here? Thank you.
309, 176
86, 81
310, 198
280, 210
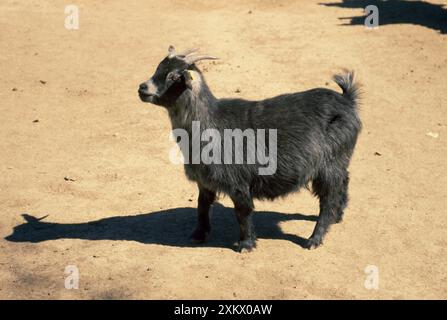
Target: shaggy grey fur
316, 134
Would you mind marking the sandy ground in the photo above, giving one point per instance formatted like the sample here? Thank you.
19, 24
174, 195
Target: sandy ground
69, 109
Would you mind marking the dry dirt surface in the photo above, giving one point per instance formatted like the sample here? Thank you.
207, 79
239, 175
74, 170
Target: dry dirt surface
79, 146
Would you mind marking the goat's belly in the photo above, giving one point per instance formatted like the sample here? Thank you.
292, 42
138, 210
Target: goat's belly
271, 187
230, 178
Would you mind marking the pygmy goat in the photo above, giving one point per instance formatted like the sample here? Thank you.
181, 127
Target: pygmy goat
315, 135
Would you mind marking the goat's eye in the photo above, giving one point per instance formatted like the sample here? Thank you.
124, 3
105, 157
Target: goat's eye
174, 77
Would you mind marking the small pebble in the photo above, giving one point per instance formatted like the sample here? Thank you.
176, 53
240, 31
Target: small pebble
433, 134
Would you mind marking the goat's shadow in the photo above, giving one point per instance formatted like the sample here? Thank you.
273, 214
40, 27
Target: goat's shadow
433, 16
170, 227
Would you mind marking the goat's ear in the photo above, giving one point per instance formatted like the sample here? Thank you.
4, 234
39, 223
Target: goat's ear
187, 78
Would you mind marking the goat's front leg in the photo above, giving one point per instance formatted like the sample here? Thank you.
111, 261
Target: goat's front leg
243, 207
206, 199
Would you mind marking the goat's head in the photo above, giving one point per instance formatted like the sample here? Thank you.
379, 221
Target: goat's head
171, 77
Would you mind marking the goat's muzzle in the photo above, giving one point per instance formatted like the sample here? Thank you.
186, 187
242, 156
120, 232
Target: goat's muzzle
145, 95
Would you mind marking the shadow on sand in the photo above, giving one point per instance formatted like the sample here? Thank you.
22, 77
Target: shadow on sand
168, 227
433, 16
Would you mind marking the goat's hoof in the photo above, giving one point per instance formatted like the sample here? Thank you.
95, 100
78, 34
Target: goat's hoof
246, 246
314, 242
199, 236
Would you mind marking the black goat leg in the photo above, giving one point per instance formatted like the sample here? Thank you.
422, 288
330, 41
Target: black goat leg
206, 199
243, 207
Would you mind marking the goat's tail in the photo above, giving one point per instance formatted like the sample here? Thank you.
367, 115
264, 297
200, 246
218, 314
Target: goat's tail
346, 81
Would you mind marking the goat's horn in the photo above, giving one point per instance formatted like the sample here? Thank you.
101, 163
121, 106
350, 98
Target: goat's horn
188, 52
171, 51
193, 59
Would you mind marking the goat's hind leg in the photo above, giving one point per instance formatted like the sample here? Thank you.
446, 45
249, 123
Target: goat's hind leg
332, 192
343, 198
243, 207
206, 199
